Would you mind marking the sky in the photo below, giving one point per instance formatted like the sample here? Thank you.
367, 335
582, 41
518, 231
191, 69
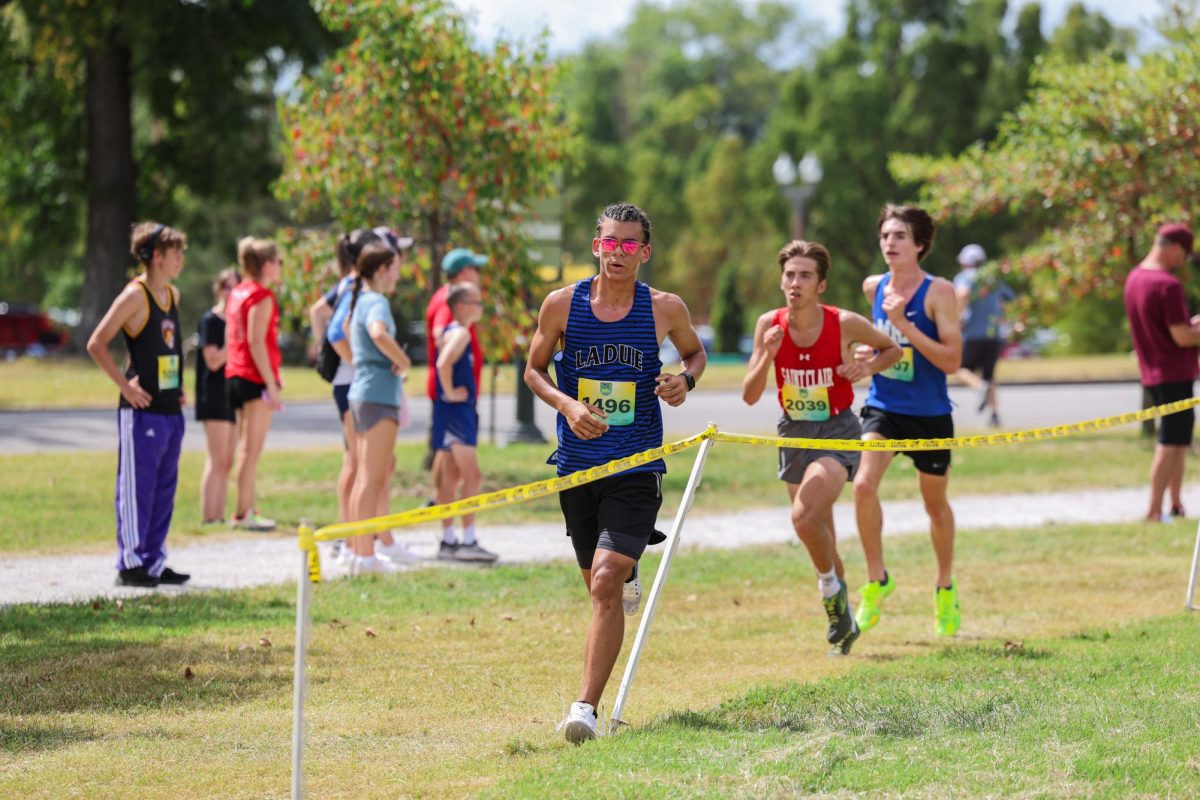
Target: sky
572, 22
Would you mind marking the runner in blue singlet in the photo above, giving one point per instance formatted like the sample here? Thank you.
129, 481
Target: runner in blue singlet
910, 401
610, 380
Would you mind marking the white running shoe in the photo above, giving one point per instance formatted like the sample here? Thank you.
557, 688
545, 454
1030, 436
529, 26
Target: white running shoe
371, 565
580, 723
397, 553
631, 594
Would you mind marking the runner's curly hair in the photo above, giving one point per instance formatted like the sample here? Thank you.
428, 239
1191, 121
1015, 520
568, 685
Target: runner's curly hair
625, 212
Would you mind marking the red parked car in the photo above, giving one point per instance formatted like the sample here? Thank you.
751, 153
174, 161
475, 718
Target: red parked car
24, 326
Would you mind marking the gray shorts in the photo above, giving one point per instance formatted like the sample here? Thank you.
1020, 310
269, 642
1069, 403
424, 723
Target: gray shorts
793, 461
365, 415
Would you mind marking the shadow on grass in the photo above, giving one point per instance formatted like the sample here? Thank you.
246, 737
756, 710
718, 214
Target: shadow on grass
111, 675
155, 652
19, 736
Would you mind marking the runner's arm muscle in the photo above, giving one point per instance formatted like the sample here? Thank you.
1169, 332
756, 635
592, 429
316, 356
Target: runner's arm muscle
761, 359
945, 354
586, 420
857, 330
693, 360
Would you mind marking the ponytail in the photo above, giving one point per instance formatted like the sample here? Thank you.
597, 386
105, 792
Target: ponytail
354, 294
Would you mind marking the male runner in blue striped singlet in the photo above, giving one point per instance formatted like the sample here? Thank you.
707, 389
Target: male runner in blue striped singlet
609, 382
909, 400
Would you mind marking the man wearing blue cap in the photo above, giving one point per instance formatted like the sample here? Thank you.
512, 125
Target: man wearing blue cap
459, 266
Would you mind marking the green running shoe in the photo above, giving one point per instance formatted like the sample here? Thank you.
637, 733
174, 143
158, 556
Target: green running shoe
946, 610
870, 598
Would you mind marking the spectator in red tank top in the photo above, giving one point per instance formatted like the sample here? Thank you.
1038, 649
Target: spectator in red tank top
809, 346
1166, 341
252, 380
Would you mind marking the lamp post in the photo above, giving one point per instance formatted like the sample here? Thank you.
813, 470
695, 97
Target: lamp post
799, 183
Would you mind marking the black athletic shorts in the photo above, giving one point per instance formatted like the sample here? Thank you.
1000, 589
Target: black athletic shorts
902, 426
1174, 429
981, 355
616, 513
239, 391
341, 398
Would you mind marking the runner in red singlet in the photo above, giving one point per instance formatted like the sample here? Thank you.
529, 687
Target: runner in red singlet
810, 346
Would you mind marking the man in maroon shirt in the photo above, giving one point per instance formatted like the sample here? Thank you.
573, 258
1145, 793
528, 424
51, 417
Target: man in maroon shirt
1166, 341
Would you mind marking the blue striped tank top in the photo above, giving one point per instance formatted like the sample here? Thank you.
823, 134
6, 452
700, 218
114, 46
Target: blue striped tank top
611, 365
914, 386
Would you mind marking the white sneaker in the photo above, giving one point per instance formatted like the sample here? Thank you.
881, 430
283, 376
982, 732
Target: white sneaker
631, 594
396, 553
580, 723
371, 565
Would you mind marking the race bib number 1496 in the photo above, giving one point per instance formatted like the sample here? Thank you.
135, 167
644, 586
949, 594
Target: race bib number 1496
615, 398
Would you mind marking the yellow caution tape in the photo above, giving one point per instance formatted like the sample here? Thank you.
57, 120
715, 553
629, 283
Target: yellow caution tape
504, 497
543, 488
989, 440
309, 545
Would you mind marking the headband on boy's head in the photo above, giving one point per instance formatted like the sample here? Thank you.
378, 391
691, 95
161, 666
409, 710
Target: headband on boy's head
146, 251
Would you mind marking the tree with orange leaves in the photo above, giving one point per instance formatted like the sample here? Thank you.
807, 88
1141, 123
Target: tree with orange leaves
410, 126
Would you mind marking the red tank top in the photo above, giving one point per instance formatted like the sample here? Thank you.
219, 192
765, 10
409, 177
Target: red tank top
809, 386
238, 362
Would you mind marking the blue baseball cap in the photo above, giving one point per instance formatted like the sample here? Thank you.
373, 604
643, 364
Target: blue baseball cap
459, 259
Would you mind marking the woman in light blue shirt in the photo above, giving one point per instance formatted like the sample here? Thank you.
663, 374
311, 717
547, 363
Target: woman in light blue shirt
375, 393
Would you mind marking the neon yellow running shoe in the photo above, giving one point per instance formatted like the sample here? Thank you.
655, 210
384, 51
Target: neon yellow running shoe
946, 610
870, 598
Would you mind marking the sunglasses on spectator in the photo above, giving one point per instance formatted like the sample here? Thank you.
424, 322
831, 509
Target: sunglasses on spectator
628, 246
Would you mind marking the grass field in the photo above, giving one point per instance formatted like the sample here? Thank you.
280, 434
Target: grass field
56, 502
1073, 676
77, 383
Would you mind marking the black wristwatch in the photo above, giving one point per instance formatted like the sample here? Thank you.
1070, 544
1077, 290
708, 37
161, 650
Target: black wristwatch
691, 382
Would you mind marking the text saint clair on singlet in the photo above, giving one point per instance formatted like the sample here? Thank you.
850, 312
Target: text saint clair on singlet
609, 354
806, 378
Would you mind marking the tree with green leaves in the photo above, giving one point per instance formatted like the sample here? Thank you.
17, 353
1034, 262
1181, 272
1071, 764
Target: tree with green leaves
729, 315
134, 109
1100, 154
409, 124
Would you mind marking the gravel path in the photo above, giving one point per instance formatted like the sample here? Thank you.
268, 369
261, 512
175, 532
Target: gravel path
257, 560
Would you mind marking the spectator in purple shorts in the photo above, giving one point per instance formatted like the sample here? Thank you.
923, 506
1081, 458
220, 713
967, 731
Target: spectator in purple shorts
150, 416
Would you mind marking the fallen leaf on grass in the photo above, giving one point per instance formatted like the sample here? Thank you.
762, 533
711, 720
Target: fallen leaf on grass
264, 642
97, 605
371, 633
1013, 645
188, 674
336, 623
508, 618
120, 605
737, 602
472, 622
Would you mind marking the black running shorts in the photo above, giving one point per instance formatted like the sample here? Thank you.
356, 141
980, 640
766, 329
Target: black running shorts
239, 391
902, 426
1174, 429
981, 355
616, 513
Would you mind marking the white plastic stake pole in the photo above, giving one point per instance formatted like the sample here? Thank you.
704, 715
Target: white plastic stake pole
660, 579
1191, 595
299, 688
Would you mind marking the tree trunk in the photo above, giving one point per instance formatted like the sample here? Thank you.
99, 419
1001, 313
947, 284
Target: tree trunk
110, 179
